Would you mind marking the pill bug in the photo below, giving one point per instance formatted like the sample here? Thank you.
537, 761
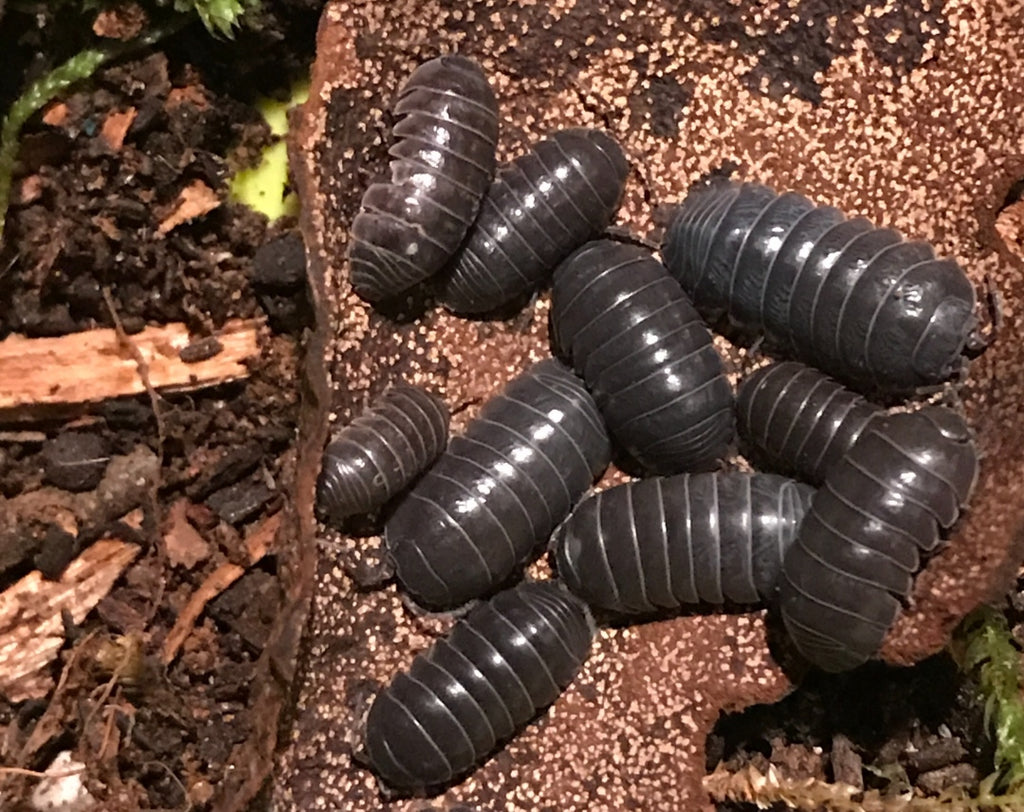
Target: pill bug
907, 476
381, 452
443, 162
499, 490
507, 659
879, 313
797, 421
645, 354
541, 207
665, 542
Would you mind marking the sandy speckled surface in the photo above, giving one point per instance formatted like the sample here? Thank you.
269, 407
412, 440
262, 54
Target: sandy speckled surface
911, 114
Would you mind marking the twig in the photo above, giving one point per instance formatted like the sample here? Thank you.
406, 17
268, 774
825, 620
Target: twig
220, 579
143, 366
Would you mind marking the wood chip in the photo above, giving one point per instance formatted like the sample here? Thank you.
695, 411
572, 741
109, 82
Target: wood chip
115, 127
31, 627
257, 545
123, 22
194, 201
184, 544
56, 115
93, 366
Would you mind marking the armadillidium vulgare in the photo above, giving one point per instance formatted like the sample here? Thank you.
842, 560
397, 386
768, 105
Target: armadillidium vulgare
443, 162
877, 312
507, 659
499, 490
907, 476
797, 421
541, 207
645, 354
665, 542
381, 452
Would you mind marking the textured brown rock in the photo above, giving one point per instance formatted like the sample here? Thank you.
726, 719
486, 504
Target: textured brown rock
904, 113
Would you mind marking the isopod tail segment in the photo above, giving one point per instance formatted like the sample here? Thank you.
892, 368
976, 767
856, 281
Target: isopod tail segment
892, 498
473, 690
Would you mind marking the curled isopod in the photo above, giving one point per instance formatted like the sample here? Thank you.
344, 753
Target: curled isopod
854, 559
880, 313
797, 421
645, 354
541, 207
443, 162
507, 659
499, 490
381, 452
665, 542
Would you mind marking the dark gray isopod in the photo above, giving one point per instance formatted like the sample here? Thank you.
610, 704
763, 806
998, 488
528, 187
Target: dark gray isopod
877, 312
499, 490
665, 542
907, 476
381, 452
645, 354
507, 659
443, 162
541, 207
797, 421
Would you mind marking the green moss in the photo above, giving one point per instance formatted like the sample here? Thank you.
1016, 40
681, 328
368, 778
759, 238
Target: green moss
219, 16
986, 649
262, 188
35, 96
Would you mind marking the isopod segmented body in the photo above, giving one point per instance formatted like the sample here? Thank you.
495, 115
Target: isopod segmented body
907, 476
499, 490
645, 354
665, 542
381, 452
541, 207
507, 659
877, 312
443, 162
795, 420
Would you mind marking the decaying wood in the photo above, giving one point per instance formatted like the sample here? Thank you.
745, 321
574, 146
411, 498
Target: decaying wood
257, 545
31, 624
94, 365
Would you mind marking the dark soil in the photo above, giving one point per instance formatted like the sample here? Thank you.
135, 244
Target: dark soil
88, 199
877, 727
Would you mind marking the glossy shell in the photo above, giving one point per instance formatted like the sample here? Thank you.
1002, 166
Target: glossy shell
662, 543
906, 477
877, 312
507, 659
645, 354
542, 206
381, 452
797, 421
443, 162
499, 490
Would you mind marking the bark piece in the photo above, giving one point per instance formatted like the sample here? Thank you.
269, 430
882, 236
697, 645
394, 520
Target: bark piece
631, 730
